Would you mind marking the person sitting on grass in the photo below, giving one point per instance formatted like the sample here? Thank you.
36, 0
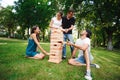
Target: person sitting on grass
33, 45
84, 57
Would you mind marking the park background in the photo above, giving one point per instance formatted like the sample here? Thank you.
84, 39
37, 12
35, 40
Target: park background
101, 16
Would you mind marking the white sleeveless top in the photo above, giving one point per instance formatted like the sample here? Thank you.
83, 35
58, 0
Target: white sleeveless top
56, 23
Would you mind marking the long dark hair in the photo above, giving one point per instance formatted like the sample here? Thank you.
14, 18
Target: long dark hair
61, 14
89, 33
33, 30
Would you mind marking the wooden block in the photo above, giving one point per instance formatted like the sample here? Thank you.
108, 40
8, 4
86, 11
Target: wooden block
56, 31
56, 54
57, 34
55, 57
56, 41
56, 38
56, 51
56, 45
56, 48
55, 61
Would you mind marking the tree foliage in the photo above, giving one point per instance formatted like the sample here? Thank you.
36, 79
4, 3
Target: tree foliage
34, 12
101, 16
8, 20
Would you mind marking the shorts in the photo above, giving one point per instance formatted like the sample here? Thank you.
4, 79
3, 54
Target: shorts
81, 59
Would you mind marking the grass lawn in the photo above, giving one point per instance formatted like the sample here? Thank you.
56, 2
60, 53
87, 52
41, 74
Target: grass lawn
14, 66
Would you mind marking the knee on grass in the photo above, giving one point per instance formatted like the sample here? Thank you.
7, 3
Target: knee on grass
71, 61
39, 56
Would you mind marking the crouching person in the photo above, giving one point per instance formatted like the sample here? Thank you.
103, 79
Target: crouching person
33, 45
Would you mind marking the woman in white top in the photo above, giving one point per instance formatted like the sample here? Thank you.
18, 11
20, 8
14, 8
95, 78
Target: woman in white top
56, 22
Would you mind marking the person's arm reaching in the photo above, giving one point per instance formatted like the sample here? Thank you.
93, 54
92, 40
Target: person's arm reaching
36, 41
74, 53
70, 28
78, 46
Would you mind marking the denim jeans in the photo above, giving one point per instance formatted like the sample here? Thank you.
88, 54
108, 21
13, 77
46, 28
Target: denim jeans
69, 38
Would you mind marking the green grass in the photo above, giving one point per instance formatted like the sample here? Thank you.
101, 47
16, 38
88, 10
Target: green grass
14, 66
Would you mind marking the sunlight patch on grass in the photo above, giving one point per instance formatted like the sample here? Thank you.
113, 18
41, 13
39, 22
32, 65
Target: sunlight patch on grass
3, 43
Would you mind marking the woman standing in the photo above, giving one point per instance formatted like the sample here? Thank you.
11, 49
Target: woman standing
56, 22
33, 44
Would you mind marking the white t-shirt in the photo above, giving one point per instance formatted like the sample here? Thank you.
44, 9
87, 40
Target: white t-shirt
81, 42
56, 23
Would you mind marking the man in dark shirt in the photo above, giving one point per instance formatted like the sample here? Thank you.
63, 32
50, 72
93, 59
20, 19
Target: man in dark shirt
68, 24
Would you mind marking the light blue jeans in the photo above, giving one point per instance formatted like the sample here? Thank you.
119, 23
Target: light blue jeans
69, 38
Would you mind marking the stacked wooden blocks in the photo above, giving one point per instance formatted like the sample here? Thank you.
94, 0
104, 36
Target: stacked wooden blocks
56, 46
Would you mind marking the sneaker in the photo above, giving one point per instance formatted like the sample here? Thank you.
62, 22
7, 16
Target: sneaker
97, 66
64, 57
88, 77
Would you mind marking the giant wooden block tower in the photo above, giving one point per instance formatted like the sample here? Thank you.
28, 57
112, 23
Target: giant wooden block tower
56, 42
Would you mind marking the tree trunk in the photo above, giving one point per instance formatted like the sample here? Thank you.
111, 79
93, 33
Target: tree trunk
43, 36
28, 33
104, 39
110, 46
94, 41
9, 32
78, 34
23, 34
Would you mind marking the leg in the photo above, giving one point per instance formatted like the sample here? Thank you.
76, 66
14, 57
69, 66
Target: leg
86, 55
39, 56
64, 48
75, 63
70, 38
88, 72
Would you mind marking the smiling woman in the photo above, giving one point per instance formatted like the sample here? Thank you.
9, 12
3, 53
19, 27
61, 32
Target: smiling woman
5, 3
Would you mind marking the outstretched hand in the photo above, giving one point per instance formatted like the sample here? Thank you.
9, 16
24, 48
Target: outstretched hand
47, 53
69, 43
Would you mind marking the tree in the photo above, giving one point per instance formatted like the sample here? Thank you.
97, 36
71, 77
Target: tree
101, 15
108, 12
32, 12
8, 20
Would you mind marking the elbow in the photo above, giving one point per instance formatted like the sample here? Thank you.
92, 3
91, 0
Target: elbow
50, 26
37, 44
84, 49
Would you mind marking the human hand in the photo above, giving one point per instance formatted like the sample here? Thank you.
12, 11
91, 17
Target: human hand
63, 30
69, 43
66, 30
47, 53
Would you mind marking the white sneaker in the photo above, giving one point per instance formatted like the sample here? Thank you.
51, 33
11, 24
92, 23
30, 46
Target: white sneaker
88, 77
97, 66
